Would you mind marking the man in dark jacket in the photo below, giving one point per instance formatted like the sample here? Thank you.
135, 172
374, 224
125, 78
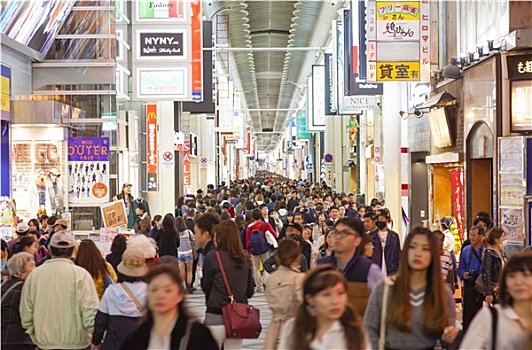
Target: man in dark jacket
387, 250
361, 274
292, 202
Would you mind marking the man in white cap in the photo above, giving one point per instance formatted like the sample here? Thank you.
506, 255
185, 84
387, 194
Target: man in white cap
60, 300
22, 230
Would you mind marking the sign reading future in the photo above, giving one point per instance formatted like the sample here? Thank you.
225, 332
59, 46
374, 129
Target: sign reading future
161, 44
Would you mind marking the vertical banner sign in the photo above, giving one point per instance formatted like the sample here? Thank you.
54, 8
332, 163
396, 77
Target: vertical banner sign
88, 169
318, 99
151, 146
458, 200
186, 164
399, 41
330, 108
197, 55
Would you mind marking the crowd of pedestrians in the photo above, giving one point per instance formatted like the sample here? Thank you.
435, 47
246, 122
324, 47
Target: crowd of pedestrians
334, 273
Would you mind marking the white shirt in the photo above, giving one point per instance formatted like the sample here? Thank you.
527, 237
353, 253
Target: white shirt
510, 335
334, 338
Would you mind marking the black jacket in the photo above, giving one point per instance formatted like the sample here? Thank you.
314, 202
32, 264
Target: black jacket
12, 331
116, 328
392, 251
240, 281
167, 241
200, 336
491, 268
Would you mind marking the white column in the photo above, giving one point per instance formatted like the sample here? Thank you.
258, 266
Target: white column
391, 149
162, 201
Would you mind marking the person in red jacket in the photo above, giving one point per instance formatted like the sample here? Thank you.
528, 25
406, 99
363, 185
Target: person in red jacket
258, 225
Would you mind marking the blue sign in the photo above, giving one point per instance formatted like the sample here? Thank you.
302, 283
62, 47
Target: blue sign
309, 166
328, 158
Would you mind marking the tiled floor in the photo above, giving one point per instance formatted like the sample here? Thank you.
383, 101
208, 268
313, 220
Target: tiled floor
196, 306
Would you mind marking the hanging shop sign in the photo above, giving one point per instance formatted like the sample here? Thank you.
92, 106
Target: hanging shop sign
302, 133
88, 169
224, 108
196, 52
161, 10
356, 104
158, 45
5, 92
317, 118
161, 83
151, 146
520, 74
398, 41
186, 164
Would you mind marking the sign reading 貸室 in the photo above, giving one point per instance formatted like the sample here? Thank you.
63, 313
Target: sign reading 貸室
161, 10
398, 41
114, 214
5, 92
88, 169
151, 146
168, 45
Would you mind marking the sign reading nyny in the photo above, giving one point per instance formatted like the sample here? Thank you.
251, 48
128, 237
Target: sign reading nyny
398, 41
161, 44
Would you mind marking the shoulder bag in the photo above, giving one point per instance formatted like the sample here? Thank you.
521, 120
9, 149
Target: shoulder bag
135, 300
242, 321
11, 288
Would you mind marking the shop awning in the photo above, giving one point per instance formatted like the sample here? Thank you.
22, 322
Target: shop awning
440, 100
350, 163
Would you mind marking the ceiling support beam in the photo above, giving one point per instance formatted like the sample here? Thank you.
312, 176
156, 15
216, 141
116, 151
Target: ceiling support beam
282, 49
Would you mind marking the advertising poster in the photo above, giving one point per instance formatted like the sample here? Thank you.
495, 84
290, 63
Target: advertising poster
511, 189
511, 155
457, 185
5, 92
513, 223
88, 169
114, 214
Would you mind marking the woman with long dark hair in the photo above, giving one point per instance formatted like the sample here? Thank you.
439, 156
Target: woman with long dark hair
419, 309
167, 237
237, 267
90, 258
493, 259
167, 324
324, 320
117, 249
156, 225
514, 313
186, 252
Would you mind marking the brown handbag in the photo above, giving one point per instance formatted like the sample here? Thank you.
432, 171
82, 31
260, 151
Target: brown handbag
242, 321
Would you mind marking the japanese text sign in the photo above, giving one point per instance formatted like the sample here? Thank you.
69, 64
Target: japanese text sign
398, 41
151, 145
114, 214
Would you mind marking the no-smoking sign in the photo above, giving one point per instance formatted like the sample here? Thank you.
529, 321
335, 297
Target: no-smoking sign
204, 162
168, 159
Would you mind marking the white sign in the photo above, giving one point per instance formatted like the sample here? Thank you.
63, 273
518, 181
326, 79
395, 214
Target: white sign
318, 99
355, 104
204, 162
225, 106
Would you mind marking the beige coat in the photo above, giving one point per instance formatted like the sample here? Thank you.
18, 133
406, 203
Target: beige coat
283, 294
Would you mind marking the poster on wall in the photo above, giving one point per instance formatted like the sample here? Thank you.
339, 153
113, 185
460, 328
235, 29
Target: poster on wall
511, 154
88, 170
513, 223
457, 184
511, 189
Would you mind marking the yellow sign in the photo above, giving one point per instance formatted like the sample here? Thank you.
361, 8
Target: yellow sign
397, 11
5, 93
397, 71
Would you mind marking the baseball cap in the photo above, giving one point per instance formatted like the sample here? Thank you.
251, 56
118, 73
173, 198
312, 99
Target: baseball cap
133, 263
127, 184
62, 239
446, 222
295, 225
61, 222
22, 227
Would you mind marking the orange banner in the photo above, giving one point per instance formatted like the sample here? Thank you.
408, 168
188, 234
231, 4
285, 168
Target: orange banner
197, 56
186, 163
151, 138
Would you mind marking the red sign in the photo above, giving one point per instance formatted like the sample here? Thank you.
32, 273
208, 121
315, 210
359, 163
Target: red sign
197, 55
186, 163
457, 186
151, 137
168, 156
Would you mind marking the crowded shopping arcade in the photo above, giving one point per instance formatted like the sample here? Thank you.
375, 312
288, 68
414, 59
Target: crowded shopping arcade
253, 174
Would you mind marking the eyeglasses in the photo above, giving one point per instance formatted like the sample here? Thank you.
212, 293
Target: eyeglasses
343, 233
